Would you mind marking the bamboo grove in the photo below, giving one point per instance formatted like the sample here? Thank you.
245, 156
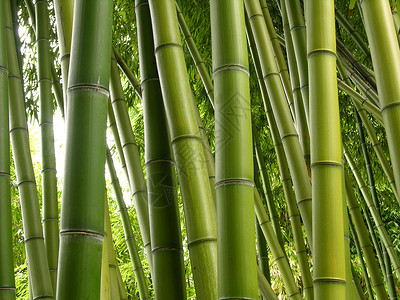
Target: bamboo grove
258, 140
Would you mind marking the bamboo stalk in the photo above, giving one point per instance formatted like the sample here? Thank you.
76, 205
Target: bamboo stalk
49, 178
365, 242
187, 148
82, 233
301, 118
166, 239
326, 154
234, 153
294, 214
375, 215
264, 286
284, 122
292, 291
201, 67
131, 153
128, 232
35, 250
386, 60
7, 281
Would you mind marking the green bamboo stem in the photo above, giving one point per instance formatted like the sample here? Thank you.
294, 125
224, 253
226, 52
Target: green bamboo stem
326, 154
357, 284
7, 281
359, 253
371, 134
121, 286
280, 60
111, 258
263, 261
292, 291
353, 33
298, 33
281, 111
264, 287
57, 88
294, 215
386, 267
194, 52
364, 87
375, 215
363, 101
128, 232
267, 190
301, 118
128, 73
365, 242
396, 21
34, 243
82, 233
132, 157
112, 124
234, 153
64, 16
105, 293
385, 54
368, 77
49, 178
187, 148
167, 252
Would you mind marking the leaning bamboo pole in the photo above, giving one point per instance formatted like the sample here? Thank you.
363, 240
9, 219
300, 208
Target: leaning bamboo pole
7, 281
287, 131
187, 148
294, 214
167, 253
82, 209
34, 242
386, 60
49, 178
234, 153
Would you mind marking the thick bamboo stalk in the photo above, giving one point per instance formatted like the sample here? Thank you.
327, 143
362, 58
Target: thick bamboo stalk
34, 244
128, 232
137, 182
386, 60
281, 111
7, 281
294, 214
82, 209
49, 178
187, 148
375, 215
365, 242
326, 154
234, 153
301, 118
166, 239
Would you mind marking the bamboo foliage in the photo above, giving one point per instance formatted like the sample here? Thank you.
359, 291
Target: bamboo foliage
7, 281
82, 234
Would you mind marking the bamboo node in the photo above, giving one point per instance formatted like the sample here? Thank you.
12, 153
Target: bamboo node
389, 106
89, 87
321, 51
231, 67
3, 69
234, 182
199, 241
329, 279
